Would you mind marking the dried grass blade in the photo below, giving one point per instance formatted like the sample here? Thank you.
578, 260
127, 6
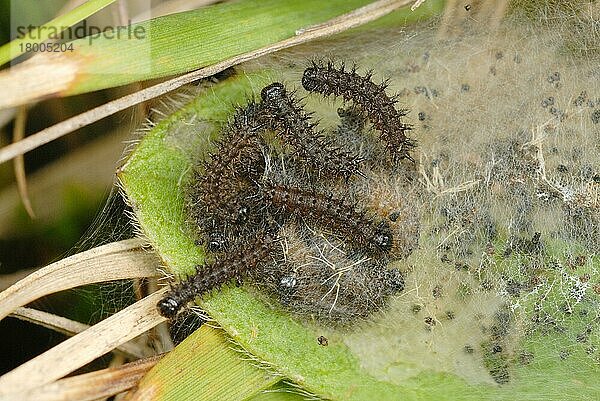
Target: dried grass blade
77, 351
115, 261
70, 328
95, 385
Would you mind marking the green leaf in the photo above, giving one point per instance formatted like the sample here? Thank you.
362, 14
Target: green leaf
154, 178
358, 364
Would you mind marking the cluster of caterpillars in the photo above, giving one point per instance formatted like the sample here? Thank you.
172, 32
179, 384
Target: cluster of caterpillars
275, 179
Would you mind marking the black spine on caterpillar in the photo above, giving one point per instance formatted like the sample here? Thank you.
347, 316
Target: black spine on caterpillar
233, 266
365, 232
329, 80
287, 118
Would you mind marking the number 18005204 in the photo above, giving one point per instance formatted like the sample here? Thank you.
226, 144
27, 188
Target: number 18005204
46, 47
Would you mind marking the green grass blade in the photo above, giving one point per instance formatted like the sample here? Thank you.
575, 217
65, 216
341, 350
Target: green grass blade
174, 44
204, 367
186, 41
14, 48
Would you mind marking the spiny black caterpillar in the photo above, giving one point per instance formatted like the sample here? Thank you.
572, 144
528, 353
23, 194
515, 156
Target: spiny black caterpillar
368, 234
288, 119
248, 208
244, 257
223, 182
327, 79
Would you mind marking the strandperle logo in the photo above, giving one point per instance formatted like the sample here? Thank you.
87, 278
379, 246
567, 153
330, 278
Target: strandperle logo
42, 27
83, 30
